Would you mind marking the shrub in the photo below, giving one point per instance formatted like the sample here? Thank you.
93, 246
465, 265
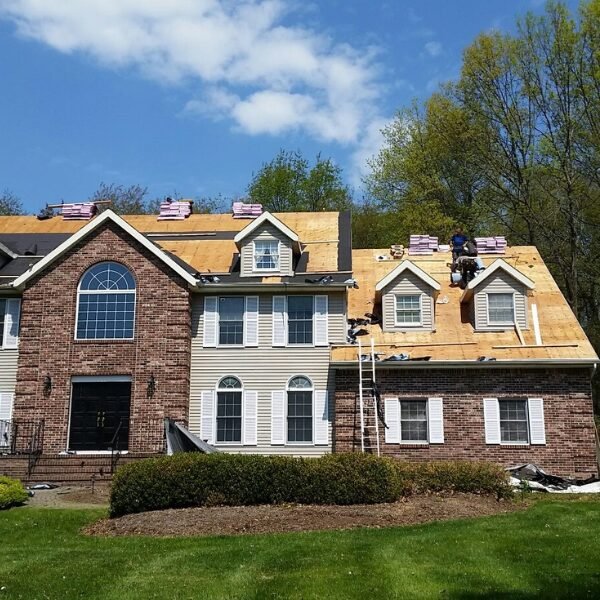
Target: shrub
185, 480
12, 492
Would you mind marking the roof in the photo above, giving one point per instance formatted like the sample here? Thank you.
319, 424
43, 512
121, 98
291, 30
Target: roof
407, 265
454, 338
501, 265
266, 217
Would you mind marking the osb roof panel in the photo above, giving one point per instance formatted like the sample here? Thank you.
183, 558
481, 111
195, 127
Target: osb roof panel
558, 325
318, 231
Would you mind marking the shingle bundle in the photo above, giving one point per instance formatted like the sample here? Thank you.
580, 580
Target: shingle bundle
175, 210
491, 245
422, 244
79, 211
246, 211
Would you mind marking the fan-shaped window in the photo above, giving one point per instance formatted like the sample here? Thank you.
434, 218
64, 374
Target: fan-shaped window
229, 410
300, 410
106, 303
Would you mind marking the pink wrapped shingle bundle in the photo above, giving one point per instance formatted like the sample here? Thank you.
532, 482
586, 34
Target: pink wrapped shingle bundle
246, 211
175, 210
79, 211
491, 245
422, 245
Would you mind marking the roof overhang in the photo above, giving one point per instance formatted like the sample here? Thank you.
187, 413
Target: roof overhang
474, 364
95, 223
266, 217
215, 288
7, 251
498, 264
407, 265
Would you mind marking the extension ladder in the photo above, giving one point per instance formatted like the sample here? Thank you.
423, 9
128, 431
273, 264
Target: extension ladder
369, 411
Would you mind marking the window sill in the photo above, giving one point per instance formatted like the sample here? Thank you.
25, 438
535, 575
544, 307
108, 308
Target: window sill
106, 341
517, 444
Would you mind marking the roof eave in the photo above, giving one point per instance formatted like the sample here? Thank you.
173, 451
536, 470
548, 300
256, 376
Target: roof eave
443, 364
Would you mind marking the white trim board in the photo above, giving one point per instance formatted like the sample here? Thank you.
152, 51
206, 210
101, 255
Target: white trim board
407, 265
495, 266
100, 378
266, 217
107, 215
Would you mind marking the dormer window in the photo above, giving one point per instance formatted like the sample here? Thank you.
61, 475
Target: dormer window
501, 309
408, 310
266, 255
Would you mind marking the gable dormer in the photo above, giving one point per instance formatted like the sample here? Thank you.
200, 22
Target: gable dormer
267, 247
408, 299
498, 298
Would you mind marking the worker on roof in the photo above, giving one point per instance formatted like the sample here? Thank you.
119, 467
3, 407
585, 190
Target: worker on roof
458, 241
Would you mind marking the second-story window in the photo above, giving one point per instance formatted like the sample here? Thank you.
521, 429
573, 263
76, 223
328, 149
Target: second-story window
231, 321
266, 255
300, 319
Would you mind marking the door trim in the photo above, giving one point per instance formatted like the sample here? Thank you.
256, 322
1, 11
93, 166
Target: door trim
100, 379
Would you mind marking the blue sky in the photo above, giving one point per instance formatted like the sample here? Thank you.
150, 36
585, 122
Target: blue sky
192, 96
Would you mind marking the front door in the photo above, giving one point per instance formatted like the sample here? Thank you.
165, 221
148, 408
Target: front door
97, 410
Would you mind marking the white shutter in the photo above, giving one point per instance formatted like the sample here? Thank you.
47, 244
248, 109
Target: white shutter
491, 415
320, 320
536, 420
11, 322
251, 321
208, 416
211, 321
321, 417
279, 321
277, 417
6, 405
435, 416
250, 421
392, 420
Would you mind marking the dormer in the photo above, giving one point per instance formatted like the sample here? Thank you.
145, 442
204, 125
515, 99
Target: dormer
497, 298
407, 299
267, 247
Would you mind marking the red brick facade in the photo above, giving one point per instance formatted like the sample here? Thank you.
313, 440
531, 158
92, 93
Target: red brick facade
161, 344
569, 424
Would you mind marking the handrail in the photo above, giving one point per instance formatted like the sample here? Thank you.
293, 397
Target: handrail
114, 452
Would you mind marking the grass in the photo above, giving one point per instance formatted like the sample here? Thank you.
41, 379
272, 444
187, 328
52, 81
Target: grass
549, 551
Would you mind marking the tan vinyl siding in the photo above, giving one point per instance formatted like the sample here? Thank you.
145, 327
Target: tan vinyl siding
8, 370
266, 232
263, 370
407, 284
499, 282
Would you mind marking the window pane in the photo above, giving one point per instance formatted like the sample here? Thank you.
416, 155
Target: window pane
229, 416
513, 421
107, 276
501, 308
408, 309
413, 420
300, 422
266, 254
300, 319
106, 316
231, 321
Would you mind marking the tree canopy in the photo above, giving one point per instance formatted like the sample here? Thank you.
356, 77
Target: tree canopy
10, 204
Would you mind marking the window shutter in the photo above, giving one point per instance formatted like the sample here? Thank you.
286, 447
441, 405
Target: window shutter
491, 415
6, 405
320, 320
208, 416
279, 321
435, 416
251, 321
250, 421
277, 417
211, 321
392, 420
321, 417
11, 322
536, 420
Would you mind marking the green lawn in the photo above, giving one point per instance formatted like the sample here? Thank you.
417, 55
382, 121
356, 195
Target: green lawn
551, 550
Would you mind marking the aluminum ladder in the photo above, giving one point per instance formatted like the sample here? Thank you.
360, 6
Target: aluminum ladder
369, 411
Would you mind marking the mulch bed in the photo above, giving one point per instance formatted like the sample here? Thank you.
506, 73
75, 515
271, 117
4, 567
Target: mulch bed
235, 520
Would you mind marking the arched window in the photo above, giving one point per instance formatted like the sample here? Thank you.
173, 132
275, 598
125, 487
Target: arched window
300, 410
106, 303
229, 410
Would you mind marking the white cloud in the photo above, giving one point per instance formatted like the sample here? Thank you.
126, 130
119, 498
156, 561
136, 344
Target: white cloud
253, 67
433, 48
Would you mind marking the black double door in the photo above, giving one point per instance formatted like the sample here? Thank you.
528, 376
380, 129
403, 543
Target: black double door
97, 411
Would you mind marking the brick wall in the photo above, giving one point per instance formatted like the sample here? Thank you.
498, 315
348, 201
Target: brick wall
161, 344
570, 443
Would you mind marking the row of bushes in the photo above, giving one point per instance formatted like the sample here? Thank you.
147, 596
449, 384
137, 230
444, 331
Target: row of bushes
12, 492
185, 480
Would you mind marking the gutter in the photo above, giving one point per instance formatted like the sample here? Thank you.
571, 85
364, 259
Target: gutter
473, 364
264, 287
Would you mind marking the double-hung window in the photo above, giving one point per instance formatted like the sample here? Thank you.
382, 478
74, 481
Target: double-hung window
413, 421
300, 319
514, 427
300, 410
229, 410
266, 255
501, 309
231, 321
408, 309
